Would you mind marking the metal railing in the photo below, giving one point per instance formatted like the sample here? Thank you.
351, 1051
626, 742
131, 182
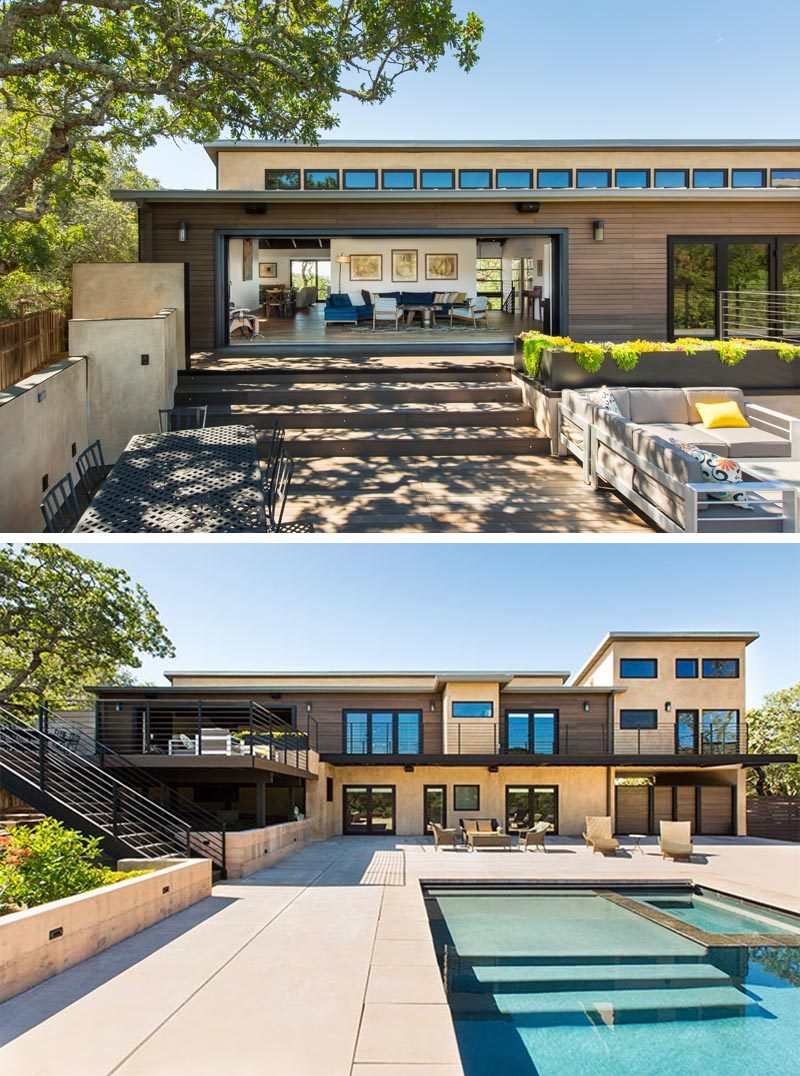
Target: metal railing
202, 727
206, 830
758, 315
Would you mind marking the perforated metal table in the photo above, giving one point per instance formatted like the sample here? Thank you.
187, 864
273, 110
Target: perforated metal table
195, 480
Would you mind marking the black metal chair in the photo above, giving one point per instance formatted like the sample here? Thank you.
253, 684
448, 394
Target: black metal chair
277, 493
92, 469
60, 507
275, 449
172, 419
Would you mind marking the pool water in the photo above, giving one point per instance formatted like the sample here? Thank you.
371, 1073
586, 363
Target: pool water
718, 914
556, 983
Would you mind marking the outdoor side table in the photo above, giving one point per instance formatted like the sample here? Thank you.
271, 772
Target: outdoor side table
206, 480
637, 839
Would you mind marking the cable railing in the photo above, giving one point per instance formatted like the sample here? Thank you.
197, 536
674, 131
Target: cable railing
189, 728
758, 315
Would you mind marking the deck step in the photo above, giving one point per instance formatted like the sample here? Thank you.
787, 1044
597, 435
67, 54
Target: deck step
346, 393
365, 416
566, 978
326, 373
407, 441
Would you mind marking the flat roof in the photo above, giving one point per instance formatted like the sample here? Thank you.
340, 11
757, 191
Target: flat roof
745, 636
200, 690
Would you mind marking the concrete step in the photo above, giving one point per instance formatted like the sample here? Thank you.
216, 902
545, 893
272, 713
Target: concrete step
563, 978
331, 393
409, 441
329, 373
364, 416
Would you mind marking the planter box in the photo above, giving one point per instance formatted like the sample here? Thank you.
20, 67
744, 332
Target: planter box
758, 371
41, 942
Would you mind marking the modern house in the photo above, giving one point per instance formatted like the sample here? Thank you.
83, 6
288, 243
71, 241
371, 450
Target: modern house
600, 239
652, 727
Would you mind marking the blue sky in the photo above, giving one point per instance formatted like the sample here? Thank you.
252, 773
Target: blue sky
662, 69
457, 606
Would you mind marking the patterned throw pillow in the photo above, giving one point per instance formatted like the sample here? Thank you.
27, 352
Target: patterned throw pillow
718, 469
604, 398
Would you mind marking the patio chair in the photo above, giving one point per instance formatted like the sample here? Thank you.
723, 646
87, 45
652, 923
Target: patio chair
534, 838
443, 838
182, 745
172, 419
676, 840
386, 310
598, 835
92, 469
60, 507
476, 311
275, 450
276, 490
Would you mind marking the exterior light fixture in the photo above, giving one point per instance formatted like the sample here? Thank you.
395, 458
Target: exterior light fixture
667, 706
493, 769
308, 707
342, 259
408, 769
183, 231
528, 207
432, 706
586, 706
599, 230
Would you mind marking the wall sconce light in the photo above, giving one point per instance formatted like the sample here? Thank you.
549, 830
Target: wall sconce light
528, 207
599, 230
183, 231
308, 707
667, 706
586, 706
493, 769
408, 769
432, 706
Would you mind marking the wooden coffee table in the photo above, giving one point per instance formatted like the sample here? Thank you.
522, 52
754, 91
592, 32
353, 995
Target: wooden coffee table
427, 315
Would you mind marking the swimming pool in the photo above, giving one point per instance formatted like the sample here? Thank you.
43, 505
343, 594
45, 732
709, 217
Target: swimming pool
717, 913
550, 982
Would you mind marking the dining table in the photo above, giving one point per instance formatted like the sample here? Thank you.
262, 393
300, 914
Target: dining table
207, 480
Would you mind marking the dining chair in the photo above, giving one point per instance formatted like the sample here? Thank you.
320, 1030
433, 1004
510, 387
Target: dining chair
92, 469
59, 507
172, 419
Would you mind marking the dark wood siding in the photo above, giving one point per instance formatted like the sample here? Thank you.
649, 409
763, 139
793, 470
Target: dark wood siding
580, 733
327, 711
617, 288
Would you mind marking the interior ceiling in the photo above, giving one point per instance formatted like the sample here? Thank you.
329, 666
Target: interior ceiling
305, 241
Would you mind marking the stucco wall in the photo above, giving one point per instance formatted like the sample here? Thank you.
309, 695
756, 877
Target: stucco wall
92, 922
251, 850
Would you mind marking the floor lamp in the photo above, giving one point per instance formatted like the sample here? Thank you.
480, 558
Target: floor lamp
342, 259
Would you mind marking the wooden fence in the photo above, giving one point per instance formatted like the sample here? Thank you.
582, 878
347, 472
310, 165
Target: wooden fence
28, 342
776, 817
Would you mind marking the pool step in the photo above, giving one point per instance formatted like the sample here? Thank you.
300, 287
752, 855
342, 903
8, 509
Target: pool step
566, 978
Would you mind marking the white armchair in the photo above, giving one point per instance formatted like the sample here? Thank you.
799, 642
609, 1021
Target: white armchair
385, 309
475, 311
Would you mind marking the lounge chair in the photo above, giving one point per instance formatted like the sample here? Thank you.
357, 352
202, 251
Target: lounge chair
598, 835
443, 838
386, 310
476, 311
676, 840
534, 838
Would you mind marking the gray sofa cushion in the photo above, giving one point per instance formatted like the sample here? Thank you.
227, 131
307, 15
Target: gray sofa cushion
681, 431
622, 396
658, 405
579, 403
615, 426
749, 442
711, 395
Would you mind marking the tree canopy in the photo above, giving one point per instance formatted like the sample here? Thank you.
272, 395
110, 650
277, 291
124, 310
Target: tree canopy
66, 622
78, 78
774, 728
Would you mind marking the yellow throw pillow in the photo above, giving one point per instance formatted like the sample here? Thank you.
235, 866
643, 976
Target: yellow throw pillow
723, 415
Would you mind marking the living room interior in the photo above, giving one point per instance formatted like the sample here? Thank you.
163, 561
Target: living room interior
283, 289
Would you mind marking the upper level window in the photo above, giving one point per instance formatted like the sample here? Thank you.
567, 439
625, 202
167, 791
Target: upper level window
785, 177
671, 177
720, 732
588, 177
632, 177
282, 180
720, 668
638, 668
475, 178
437, 179
473, 709
553, 178
514, 178
638, 719
748, 177
360, 179
686, 668
710, 177
399, 179
382, 732
532, 732
322, 179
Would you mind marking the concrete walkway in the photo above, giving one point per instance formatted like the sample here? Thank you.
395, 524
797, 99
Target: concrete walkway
320, 966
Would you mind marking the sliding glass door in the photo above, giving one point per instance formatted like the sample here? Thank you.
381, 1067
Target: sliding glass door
369, 809
528, 804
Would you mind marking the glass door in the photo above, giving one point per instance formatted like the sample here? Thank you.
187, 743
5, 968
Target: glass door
313, 273
528, 804
788, 320
686, 732
434, 807
533, 732
369, 809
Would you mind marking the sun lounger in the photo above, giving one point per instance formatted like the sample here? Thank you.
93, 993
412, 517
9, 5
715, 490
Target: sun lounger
676, 840
598, 835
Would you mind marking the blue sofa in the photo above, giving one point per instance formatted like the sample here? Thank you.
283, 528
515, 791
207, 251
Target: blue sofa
338, 307
417, 298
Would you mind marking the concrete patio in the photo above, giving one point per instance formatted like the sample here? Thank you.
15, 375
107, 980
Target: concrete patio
320, 966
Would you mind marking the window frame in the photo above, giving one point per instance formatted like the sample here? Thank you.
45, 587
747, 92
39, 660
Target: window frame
726, 175
368, 735
592, 187
772, 172
532, 790
459, 788
671, 187
472, 717
693, 676
532, 714
489, 186
638, 676
695, 715
513, 187
411, 171
283, 171
647, 174
747, 186
568, 172
637, 728
711, 676
359, 172
333, 171
444, 171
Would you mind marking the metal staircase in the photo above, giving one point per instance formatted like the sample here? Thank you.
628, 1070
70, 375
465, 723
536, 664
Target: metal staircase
54, 770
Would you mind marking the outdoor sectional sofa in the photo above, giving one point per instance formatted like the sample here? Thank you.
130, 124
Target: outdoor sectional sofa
634, 454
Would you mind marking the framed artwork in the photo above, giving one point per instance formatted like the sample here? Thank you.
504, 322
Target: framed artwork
441, 266
247, 259
366, 267
404, 265
268, 269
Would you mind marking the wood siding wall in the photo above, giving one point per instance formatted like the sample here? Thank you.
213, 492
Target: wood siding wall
617, 288
775, 817
579, 733
636, 804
